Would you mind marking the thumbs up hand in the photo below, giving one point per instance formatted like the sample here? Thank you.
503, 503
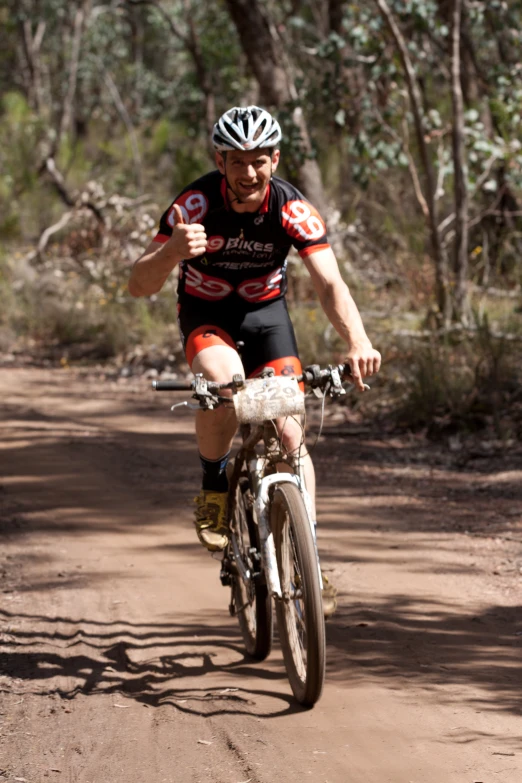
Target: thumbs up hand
187, 240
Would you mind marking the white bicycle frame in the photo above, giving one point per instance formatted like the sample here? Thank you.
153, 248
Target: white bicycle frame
261, 487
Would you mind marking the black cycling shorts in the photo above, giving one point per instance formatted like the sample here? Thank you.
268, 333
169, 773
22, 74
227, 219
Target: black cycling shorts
266, 331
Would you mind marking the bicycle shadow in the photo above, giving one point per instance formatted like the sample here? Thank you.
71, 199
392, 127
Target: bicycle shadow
154, 664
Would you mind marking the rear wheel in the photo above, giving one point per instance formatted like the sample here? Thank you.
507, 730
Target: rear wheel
252, 602
300, 617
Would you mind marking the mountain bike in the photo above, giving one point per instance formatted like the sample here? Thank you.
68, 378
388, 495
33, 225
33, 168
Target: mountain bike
272, 552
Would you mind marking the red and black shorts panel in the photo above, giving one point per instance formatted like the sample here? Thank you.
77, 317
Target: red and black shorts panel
266, 332
203, 337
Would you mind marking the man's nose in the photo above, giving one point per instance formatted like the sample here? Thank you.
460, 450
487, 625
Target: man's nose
250, 172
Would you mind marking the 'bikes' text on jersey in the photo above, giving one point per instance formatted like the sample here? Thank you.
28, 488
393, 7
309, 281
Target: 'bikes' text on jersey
245, 259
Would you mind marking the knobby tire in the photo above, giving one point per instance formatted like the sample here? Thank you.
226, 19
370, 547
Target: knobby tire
300, 616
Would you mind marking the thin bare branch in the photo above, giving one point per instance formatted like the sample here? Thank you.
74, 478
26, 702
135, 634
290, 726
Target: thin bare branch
71, 199
439, 191
49, 165
47, 234
31, 47
459, 168
417, 187
446, 223
67, 111
38, 36
124, 114
493, 213
175, 30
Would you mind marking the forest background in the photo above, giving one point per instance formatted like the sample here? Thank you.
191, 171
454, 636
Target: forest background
402, 124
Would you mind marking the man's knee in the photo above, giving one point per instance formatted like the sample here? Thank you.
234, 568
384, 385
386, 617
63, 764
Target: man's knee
291, 433
218, 363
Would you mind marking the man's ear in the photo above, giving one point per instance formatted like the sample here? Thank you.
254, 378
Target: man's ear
275, 159
220, 162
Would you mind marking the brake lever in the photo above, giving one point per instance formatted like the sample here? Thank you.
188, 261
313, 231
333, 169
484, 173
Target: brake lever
335, 388
185, 404
348, 386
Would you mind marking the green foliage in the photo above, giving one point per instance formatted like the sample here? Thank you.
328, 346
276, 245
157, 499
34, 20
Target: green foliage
160, 137
21, 132
462, 381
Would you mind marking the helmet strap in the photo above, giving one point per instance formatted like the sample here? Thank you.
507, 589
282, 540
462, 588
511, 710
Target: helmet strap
229, 186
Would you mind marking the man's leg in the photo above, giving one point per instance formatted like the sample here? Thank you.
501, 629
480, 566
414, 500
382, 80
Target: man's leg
215, 432
293, 441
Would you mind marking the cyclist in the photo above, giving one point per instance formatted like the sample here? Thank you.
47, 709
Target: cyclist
230, 232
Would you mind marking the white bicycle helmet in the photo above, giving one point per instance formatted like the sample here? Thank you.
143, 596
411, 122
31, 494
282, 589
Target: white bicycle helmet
246, 129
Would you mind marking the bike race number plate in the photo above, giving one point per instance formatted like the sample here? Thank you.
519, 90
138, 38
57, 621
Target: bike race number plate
268, 398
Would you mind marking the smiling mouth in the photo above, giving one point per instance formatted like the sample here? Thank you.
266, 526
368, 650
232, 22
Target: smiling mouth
249, 188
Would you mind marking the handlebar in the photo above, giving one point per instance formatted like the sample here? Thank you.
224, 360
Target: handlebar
312, 376
327, 381
173, 385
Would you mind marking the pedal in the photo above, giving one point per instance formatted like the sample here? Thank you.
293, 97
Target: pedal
258, 575
225, 578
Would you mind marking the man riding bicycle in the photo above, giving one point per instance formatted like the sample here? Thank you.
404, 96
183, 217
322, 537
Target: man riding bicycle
230, 231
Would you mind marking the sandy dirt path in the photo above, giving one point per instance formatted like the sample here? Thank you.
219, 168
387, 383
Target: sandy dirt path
119, 662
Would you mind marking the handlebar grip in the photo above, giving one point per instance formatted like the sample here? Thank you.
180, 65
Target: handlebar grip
316, 377
172, 386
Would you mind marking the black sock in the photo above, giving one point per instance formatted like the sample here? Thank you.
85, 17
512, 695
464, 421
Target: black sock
215, 473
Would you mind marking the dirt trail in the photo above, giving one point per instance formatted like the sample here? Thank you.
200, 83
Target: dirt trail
119, 662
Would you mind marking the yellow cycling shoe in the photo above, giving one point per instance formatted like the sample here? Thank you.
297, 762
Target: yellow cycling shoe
329, 594
211, 519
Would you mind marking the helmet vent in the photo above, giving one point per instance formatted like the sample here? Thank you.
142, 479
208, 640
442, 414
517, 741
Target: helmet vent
246, 129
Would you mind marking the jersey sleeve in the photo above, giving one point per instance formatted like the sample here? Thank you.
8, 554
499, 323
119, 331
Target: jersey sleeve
194, 206
305, 226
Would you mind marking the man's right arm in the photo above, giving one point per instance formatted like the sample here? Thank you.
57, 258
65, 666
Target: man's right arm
151, 270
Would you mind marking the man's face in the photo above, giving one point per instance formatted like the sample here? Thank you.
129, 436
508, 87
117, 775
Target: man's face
248, 174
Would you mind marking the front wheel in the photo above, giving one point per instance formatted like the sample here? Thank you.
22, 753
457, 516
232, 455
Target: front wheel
300, 616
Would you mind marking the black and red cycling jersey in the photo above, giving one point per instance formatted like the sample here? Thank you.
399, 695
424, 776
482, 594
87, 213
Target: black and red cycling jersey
244, 264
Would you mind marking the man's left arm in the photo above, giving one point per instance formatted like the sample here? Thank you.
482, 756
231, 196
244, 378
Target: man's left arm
341, 310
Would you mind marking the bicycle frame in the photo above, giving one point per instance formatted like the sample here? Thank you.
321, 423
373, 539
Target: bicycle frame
261, 486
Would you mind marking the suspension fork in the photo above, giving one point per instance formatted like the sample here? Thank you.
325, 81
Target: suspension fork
262, 486
297, 464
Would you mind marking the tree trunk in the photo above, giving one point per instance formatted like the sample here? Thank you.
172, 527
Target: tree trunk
459, 164
266, 56
349, 84
31, 48
68, 102
335, 15
439, 255
204, 77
